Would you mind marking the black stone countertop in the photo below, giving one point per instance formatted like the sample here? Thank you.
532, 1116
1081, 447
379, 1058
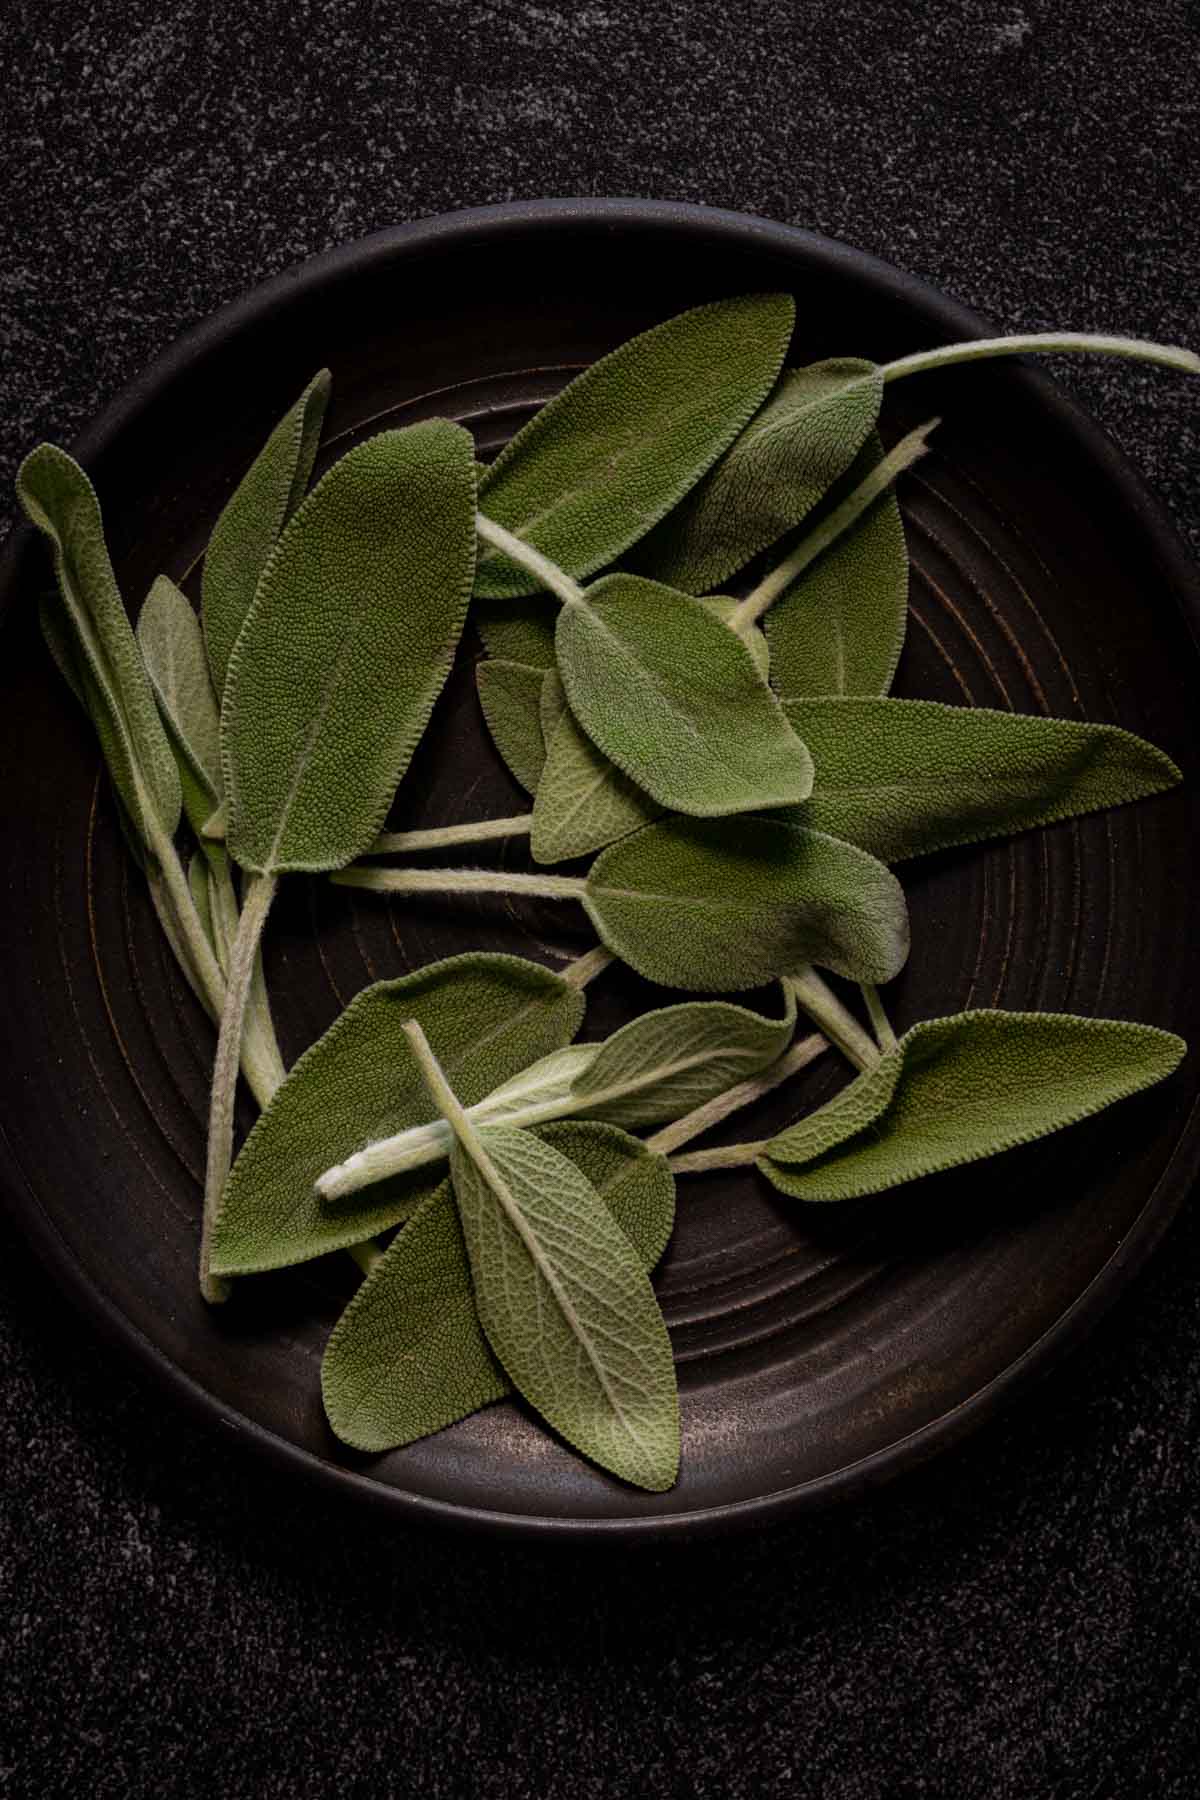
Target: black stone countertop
1016, 1621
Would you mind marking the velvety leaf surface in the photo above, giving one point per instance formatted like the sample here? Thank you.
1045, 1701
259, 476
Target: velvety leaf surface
905, 777
408, 1356
487, 1017
346, 647
839, 628
674, 700
246, 532
724, 905
518, 630
172, 646
510, 695
964, 1088
583, 802
770, 478
89, 633
567, 1305
602, 463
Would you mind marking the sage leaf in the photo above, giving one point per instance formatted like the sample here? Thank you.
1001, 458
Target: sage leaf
902, 778
248, 528
567, 1305
723, 608
958, 1089
408, 1356
583, 802
674, 700
552, 704
509, 694
839, 628
487, 1018
668, 1062
108, 671
172, 646
346, 647
724, 905
603, 461
773, 474
520, 630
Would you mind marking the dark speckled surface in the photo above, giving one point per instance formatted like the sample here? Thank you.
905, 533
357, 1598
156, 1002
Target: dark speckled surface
1015, 1622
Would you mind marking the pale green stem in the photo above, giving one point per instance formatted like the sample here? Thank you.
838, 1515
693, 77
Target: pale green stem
444, 837
840, 1026
365, 1255
713, 1112
1168, 356
556, 580
442, 1094
460, 881
881, 1025
256, 903
724, 1156
585, 968
902, 457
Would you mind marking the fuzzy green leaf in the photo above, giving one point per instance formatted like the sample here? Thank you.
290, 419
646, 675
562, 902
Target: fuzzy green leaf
674, 700
346, 647
487, 1017
770, 478
172, 646
724, 905
839, 628
964, 1088
905, 777
246, 532
408, 1356
723, 608
519, 630
603, 462
509, 694
552, 704
567, 1305
89, 634
583, 802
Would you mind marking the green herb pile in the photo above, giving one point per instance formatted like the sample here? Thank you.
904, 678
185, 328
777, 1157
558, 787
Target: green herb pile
727, 755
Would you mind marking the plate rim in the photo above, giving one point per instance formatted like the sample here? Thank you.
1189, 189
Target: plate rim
1158, 538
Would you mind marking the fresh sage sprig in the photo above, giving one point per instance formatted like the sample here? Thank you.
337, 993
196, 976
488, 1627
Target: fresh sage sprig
561, 1293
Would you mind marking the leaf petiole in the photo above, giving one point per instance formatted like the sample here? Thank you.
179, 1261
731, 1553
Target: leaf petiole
445, 837
713, 1112
556, 580
1167, 356
460, 881
824, 1008
881, 1025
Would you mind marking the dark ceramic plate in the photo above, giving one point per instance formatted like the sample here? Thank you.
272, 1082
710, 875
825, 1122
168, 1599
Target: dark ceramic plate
819, 1350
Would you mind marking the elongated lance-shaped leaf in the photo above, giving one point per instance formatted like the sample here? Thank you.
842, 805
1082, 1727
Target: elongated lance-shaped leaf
566, 1304
656, 1068
596, 468
958, 1089
724, 905
674, 700
519, 630
246, 532
346, 647
409, 1356
172, 646
901, 778
770, 478
839, 628
486, 1016
509, 695
109, 674
583, 801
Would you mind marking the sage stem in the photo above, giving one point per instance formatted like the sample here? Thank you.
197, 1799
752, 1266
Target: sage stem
517, 550
840, 1026
1168, 356
444, 837
585, 968
256, 903
724, 1156
460, 881
703, 1118
905, 453
881, 1025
